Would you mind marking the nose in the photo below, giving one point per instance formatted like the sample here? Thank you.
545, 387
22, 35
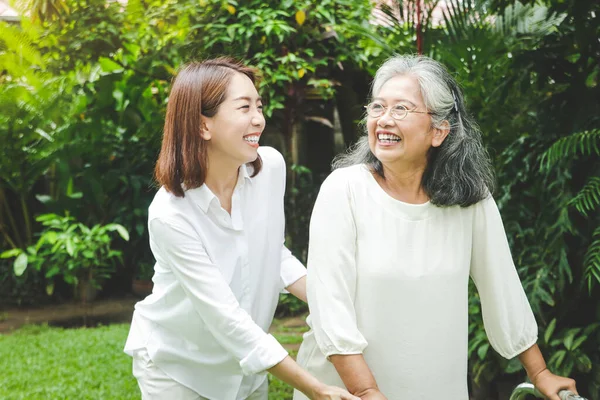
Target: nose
386, 118
258, 120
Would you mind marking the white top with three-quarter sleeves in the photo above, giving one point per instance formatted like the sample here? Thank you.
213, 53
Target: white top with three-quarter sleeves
216, 284
390, 280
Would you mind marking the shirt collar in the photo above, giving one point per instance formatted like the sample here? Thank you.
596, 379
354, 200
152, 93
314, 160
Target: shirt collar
203, 196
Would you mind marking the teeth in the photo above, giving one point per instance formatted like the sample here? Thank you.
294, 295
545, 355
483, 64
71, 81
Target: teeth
386, 137
251, 139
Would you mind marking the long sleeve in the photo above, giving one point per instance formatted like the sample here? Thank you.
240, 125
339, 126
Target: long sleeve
509, 322
233, 328
331, 282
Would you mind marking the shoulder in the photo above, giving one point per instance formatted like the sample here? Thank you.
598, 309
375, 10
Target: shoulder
344, 183
487, 203
347, 177
271, 158
486, 209
167, 207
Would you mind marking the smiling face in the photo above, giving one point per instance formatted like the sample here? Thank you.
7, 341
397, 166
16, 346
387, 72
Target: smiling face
405, 141
233, 132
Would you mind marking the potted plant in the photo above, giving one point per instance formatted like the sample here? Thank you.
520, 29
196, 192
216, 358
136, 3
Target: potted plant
142, 284
81, 255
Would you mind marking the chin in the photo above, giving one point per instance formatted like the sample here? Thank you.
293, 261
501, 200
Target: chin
386, 156
251, 157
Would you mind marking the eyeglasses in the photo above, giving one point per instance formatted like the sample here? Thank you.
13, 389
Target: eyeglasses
398, 112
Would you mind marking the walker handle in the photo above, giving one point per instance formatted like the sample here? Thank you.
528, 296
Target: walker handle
568, 395
524, 389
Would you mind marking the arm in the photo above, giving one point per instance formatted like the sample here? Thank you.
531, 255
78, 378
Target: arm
357, 376
509, 321
298, 289
545, 381
331, 284
179, 247
231, 326
291, 373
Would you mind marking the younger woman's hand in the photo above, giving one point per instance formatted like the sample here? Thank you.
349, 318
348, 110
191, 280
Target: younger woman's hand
325, 392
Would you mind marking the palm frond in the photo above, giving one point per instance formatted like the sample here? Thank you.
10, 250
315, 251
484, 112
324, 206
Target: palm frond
18, 48
43, 10
588, 198
531, 20
582, 143
464, 19
591, 261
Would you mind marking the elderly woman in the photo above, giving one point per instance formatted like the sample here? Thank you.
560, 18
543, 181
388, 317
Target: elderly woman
397, 230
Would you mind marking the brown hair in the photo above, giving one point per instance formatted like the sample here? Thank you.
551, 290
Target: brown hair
198, 90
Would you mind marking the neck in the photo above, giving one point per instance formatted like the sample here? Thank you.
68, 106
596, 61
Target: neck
221, 178
403, 182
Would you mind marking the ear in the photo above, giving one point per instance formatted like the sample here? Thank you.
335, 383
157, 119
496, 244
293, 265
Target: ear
205, 124
439, 134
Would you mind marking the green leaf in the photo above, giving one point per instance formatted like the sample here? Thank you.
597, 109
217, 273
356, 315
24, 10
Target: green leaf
482, 351
47, 217
88, 254
120, 229
43, 198
109, 65
76, 195
557, 358
70, 193
513, 366
50, 237
549, 330
11, 253
579, 341
20, 264
70, 247
584, 364
55, 270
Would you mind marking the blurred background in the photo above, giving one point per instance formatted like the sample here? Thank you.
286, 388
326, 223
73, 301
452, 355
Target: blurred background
83, 90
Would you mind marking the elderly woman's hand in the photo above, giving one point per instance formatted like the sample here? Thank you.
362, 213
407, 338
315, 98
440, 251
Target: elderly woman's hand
549, 384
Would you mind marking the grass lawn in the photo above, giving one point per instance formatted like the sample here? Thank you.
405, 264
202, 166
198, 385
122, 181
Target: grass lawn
38, 362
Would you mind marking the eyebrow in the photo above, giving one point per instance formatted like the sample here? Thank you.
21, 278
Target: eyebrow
247, 98
399, 100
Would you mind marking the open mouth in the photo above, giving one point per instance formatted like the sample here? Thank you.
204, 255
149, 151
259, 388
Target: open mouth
386, 138
252, 139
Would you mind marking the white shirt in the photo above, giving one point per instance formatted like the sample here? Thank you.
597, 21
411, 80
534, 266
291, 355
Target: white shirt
390, 280
216, 284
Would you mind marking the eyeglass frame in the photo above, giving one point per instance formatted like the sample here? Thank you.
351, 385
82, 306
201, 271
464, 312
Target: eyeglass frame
385, 110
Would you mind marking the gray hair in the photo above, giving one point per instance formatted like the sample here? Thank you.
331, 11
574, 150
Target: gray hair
459, 171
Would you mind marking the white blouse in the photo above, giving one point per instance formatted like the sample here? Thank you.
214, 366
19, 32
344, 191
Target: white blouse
390, 280
216, 284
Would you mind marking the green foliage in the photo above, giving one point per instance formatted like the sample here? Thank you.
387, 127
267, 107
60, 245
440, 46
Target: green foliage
587, 199
43, 10
35, 111
583, 143
71, 250
591, 260
569, 353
